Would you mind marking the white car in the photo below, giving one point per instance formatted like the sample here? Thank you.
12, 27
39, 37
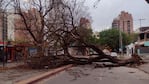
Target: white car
114, 54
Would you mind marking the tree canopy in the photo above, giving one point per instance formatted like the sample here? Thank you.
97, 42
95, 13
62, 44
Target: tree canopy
111, 38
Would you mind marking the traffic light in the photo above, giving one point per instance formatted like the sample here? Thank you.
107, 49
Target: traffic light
147, 1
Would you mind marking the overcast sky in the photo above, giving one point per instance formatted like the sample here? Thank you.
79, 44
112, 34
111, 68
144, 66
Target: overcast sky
107, 10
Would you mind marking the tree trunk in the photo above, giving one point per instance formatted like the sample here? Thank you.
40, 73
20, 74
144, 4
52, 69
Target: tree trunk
135, 59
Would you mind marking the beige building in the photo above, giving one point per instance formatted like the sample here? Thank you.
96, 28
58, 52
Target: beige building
12, 27
96, 34
3, 26
124, 22
7, 26
33, 22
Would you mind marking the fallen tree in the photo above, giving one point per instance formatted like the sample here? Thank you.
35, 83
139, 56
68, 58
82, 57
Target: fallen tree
134, 60
67, 58
64, 34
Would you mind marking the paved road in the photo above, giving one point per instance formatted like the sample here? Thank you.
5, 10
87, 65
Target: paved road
89, 75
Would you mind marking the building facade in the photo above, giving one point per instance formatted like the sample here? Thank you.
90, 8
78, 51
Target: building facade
143, 41
7, 28
3, 26
11, 26
33, 22
12, 34
124, 22
143, 34
85, 23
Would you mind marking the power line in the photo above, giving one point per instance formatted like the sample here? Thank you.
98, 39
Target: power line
140, 20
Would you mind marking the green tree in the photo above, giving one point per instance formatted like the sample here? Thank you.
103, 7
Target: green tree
133, 37
87, 36
85, 33
111, 37
93, 40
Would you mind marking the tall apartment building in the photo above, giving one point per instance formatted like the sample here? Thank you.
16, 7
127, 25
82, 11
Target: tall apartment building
7, 26
12, 27
123, 22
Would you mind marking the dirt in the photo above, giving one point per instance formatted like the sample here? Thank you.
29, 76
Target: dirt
11, 76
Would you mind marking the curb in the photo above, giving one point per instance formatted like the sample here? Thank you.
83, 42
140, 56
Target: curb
35, 79
7, 68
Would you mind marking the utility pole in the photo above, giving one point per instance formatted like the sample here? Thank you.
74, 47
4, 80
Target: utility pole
140, 20
121, 38
121, 42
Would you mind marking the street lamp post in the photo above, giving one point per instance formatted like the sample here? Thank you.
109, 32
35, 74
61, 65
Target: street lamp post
121, 42
140, 20
121, 37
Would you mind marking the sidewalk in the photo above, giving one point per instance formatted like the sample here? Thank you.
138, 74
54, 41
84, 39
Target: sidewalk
12, 73
37, 78
10, 65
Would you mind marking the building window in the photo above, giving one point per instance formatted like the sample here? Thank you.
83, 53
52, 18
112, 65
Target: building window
115, 25
128, 26
141, 36
4, 28
147, 35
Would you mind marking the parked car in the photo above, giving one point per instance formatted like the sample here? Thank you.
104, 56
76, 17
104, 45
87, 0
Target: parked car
114, 54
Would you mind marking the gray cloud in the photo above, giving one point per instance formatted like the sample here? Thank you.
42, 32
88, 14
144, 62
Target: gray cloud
107, 10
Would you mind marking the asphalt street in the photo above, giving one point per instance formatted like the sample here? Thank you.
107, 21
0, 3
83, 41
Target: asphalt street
87, 74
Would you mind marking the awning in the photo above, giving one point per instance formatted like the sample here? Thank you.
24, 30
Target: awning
140, 43
3, 43
146, 43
